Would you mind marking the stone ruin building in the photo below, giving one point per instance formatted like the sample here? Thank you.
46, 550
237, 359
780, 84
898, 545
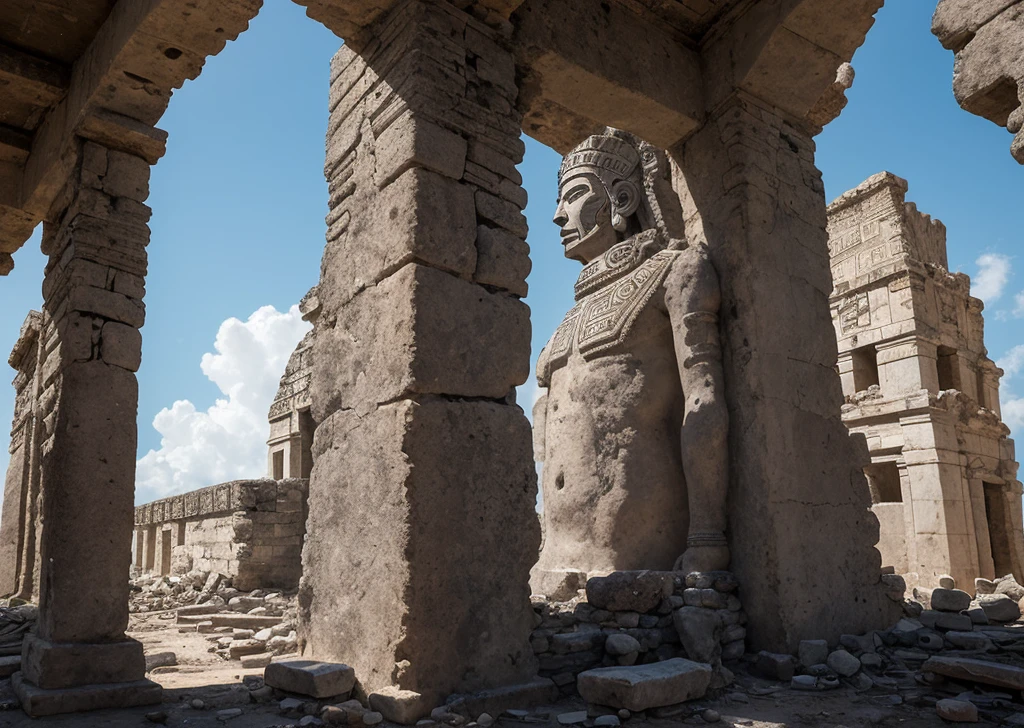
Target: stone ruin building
420, 333
921, 389
19, 527
248, 530
290, 453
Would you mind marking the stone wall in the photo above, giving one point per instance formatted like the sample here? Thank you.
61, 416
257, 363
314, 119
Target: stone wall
249, 530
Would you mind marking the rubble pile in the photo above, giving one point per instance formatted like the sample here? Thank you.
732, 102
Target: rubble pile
15, 623
252, 627
963, 656
639, 618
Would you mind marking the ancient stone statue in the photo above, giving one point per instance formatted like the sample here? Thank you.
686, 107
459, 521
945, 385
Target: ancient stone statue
633, 428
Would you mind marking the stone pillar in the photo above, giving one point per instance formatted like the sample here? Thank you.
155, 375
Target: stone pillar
422, 529
19, 524
943, 525
79, 658
800, 524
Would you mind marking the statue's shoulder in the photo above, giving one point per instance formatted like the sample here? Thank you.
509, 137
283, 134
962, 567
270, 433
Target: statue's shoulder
692, 278
544, 367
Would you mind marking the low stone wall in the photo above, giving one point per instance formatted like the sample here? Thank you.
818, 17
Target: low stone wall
249, 530
641, 617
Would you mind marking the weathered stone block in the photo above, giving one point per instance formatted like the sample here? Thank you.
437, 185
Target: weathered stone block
421, 216
126, 176
400, 706
309, 677
421, 331
415, 142
636, 591
394, 480
502, 260
121, 345
642, 687
980, 671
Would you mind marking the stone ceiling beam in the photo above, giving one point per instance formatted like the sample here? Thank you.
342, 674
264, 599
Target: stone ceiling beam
587, 65
25, 76
785, 52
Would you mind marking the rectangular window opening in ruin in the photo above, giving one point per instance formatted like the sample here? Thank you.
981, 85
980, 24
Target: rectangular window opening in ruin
180, 540
150, 549
278, 465
982, 401
865, 368
998, 528
949, 368
884, 482
165, 552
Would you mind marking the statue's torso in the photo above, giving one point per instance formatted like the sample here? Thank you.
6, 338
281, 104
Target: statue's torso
613, 488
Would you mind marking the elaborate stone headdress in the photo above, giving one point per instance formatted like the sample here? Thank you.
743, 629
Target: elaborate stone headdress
617, 155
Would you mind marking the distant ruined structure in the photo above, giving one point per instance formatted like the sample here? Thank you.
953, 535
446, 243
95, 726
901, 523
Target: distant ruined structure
249, 530
290, 445
20, 524
920, 387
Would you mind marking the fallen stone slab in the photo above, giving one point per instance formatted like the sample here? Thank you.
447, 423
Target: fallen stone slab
309, 677
630, 591
195, 610
641, 687
982, 671
260, 659
400, 706
160, 659
243, 621
999, 607
950, 600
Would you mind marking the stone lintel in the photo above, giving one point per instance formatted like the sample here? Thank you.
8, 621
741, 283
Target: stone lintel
39, 702
590, 65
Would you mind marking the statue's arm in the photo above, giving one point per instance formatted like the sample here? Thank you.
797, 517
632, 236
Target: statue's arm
540, 408
692, 300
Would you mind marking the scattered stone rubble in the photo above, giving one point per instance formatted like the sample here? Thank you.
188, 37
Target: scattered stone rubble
962, 655
252, 627
16, 622
640, 617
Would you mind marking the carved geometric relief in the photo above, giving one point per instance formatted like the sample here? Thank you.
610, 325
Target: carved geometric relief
854, 312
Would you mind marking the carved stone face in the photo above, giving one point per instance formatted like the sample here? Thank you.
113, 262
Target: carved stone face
584, 213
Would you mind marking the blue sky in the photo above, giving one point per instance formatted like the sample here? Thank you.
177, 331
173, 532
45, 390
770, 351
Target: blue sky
238, 226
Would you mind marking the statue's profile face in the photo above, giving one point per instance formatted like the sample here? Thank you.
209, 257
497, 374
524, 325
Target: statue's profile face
584, 213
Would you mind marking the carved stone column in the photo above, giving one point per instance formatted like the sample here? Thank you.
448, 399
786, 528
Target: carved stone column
799, 520
422, 528
80, 659
18, 528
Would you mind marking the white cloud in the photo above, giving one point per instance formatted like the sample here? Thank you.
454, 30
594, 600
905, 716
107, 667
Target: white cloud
1011, 406
993, 274
228, 440
1018, 305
